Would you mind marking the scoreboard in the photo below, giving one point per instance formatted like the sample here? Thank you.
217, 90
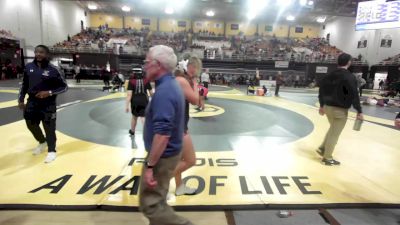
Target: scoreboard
373, 15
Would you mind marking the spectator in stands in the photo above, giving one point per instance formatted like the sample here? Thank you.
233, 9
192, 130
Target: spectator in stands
139, 90
278, 83
101, 44
337, 93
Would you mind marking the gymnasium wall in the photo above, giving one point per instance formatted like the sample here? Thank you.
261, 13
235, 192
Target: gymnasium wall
169, 24
136, 22
172, 25
248, 28
344, 36
61, 18
211, 25
36, 23
113, 21
282, 30
22, 18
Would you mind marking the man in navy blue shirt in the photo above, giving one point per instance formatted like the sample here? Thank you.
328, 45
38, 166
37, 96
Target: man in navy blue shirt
42, 82
163, 134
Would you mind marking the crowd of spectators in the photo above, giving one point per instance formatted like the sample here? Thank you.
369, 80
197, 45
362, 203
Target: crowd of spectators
255, 47
10, 70
394, 60
6, 34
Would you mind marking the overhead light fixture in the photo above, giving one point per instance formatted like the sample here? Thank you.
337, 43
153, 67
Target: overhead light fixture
303, 2
178, 5
210, 13
251, 16
255, 7
126, 8
310, 3
290, 18
286, 3
92, 7
321, 19
169, 10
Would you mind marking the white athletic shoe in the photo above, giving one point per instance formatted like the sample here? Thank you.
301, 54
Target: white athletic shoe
184, 190
170, 197
51, 156
39, 148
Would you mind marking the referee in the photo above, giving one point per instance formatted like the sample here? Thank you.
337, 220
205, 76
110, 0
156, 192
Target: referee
42, 82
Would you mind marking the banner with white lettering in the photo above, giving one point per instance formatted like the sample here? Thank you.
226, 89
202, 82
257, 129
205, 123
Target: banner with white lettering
281, 64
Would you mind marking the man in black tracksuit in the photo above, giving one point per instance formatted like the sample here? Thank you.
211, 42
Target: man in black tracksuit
42, 82
337, 93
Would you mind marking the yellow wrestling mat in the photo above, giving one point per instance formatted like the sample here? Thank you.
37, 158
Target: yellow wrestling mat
88, 175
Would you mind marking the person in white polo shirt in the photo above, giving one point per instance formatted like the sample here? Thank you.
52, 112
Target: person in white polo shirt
205, 78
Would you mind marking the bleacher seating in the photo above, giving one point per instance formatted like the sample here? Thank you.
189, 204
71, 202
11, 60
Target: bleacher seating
235, 48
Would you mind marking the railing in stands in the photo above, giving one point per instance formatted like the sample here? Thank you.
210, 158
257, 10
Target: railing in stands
220, 57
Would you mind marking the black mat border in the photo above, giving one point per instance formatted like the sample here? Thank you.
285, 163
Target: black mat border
197, 207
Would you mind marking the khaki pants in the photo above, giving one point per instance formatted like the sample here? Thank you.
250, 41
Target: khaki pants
337, 118
153, 202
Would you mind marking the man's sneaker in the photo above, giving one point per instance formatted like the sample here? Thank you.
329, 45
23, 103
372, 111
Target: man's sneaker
184, 190
51, 156
39, 148
320, 151
330, 162
170, 197
132, 133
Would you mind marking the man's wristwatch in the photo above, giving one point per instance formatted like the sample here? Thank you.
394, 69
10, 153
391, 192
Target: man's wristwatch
50, 93
148, 165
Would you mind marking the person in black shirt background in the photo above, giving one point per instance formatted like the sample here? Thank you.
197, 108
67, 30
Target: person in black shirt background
42, 82
397, 121
337, 92
137, 97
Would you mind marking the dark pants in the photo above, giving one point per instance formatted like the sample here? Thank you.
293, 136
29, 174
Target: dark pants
205, 84
45, 112
277, 90
360, 91
106, 82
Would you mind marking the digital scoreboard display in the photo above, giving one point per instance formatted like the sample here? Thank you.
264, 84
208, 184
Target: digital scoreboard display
373, 15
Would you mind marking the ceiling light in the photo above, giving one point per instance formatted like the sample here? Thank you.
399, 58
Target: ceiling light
251, 16
178, 5
303, 2
255, 7
210, 13
169, 10
126, 8
310, 3
290, 18
286, 3
321, 19
92, 7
